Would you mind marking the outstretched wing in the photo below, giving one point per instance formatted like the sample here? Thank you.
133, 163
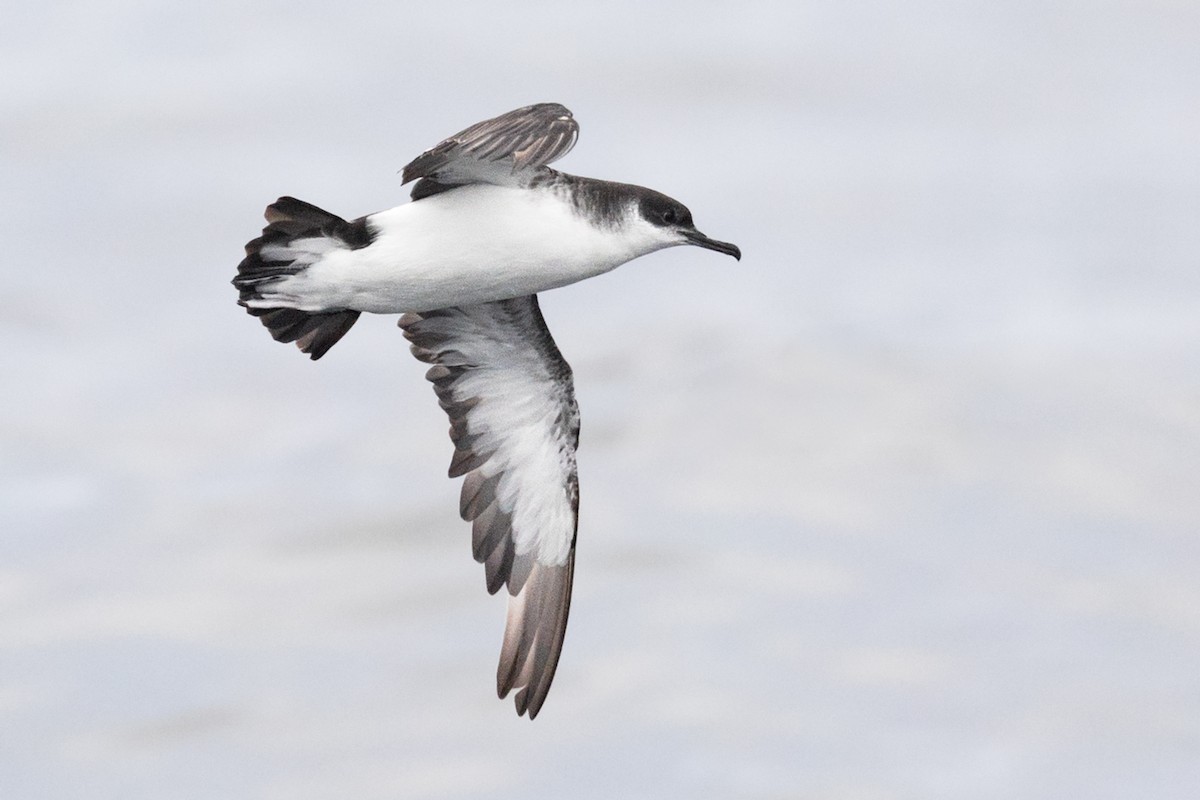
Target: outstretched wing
503, 150
515, 426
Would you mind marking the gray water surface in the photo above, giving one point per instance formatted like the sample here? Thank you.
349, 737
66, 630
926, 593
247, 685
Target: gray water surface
902, 505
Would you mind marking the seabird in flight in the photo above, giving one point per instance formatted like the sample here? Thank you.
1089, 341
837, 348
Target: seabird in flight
490, 225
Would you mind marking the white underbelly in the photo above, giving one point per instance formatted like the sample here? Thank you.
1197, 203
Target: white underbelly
470, 245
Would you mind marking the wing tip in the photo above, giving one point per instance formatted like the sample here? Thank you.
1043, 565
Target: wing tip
531, 136
534, 635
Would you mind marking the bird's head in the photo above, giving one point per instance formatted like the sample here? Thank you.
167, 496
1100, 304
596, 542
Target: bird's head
671, 224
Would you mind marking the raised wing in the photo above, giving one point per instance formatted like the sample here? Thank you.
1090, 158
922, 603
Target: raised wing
515, 426
500, 150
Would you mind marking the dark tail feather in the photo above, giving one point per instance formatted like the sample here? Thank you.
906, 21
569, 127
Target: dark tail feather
289, 219
313, 333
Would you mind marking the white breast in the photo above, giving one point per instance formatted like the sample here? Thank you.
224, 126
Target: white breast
473, 244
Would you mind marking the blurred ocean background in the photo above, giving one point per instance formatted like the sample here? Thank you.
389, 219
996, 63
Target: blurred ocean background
904, 505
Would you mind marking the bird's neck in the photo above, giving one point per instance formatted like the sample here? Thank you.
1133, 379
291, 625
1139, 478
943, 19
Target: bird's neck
607, 204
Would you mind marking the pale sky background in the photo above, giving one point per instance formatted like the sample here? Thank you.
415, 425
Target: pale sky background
903, 505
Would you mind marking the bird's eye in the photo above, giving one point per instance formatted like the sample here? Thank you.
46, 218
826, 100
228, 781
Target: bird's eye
670, 217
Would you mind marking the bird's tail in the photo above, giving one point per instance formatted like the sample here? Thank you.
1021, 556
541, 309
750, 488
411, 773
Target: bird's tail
296, 236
